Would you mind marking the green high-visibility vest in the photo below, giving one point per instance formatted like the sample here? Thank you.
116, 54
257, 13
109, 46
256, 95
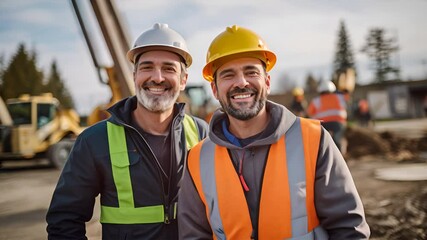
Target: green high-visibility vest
191, 132
127, 213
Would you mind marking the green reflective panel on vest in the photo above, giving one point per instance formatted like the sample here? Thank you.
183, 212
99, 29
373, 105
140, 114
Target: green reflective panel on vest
151, 214
191, 132
126, 213
120, 164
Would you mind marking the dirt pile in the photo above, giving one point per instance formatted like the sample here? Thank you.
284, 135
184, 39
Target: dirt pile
403, 217
364, 141
392, 214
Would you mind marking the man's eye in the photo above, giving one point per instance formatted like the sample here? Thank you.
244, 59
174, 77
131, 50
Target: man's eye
170, 69
145, 67
253, 73
227, 76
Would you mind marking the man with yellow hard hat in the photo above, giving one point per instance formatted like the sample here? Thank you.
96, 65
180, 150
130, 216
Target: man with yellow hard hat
262, 172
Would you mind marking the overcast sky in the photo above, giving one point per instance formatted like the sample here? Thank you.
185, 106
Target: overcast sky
303, 34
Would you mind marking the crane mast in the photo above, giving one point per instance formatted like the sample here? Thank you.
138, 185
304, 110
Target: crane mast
119, 75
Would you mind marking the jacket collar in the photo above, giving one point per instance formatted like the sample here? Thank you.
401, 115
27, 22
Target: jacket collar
281, 119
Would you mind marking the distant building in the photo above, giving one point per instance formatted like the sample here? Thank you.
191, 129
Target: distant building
387, 100
394, 99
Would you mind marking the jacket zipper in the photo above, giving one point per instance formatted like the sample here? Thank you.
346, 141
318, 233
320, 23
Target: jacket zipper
160, 171
171, 170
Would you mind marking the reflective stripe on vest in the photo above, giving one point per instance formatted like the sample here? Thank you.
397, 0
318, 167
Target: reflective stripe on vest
336, 110
287, 195
190, 131
126, 213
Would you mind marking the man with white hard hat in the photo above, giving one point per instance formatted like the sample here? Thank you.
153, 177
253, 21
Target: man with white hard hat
135, 159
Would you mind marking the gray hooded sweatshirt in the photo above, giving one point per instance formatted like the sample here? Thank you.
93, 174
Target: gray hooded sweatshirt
338, 205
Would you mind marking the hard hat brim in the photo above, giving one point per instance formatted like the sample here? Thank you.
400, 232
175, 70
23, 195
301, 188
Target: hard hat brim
133, 53
267, 57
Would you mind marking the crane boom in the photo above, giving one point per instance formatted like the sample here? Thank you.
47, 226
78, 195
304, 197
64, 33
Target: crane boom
117, 41
119, 75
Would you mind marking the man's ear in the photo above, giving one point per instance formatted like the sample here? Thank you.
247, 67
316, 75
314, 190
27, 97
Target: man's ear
214, 89
267, 83
183, 82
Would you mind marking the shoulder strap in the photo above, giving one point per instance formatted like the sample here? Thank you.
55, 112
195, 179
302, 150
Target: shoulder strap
191, 131
311, 133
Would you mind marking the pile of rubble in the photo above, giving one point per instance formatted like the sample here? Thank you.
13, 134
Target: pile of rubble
364, 142
399, 218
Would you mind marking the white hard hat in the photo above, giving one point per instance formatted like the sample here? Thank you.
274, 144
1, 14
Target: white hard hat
326, 86
160, 37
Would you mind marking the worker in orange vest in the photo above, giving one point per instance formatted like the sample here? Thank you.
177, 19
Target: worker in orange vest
363, 113
262, 172
330, 107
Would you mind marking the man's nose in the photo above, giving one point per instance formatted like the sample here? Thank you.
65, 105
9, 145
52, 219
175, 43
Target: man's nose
241, 81
157, 75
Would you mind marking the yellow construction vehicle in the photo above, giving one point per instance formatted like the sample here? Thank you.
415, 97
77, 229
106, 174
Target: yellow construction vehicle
198, 101
34, 127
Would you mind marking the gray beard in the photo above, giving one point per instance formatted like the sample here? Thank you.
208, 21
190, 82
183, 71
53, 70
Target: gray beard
156, 104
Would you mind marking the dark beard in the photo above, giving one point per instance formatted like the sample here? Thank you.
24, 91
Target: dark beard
248, 113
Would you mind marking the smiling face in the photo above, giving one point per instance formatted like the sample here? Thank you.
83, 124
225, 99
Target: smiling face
159, 77
241, 87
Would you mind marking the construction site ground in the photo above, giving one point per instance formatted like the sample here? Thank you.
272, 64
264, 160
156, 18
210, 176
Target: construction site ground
395, 208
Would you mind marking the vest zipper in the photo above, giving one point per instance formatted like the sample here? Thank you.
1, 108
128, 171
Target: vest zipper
166, 204
167, 221
172, 168
160, 171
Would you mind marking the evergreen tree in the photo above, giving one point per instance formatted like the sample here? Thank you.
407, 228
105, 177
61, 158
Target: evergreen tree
344, 54
21, 76
379, 49
55, 85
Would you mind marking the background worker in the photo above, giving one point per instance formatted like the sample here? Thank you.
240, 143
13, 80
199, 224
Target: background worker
298, 104
134, 160
363, 114
331, 108
263, 173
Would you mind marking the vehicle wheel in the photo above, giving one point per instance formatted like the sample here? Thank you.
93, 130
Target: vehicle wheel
58, 153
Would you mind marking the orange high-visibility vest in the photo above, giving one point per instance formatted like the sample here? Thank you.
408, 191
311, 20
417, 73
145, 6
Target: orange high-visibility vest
363, 106
328, 108
286, 207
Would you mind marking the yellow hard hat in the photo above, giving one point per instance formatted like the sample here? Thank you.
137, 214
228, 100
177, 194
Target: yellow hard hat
298, 91
236, 42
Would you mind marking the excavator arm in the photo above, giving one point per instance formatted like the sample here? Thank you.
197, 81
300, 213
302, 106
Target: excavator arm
119, 75
5, 118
